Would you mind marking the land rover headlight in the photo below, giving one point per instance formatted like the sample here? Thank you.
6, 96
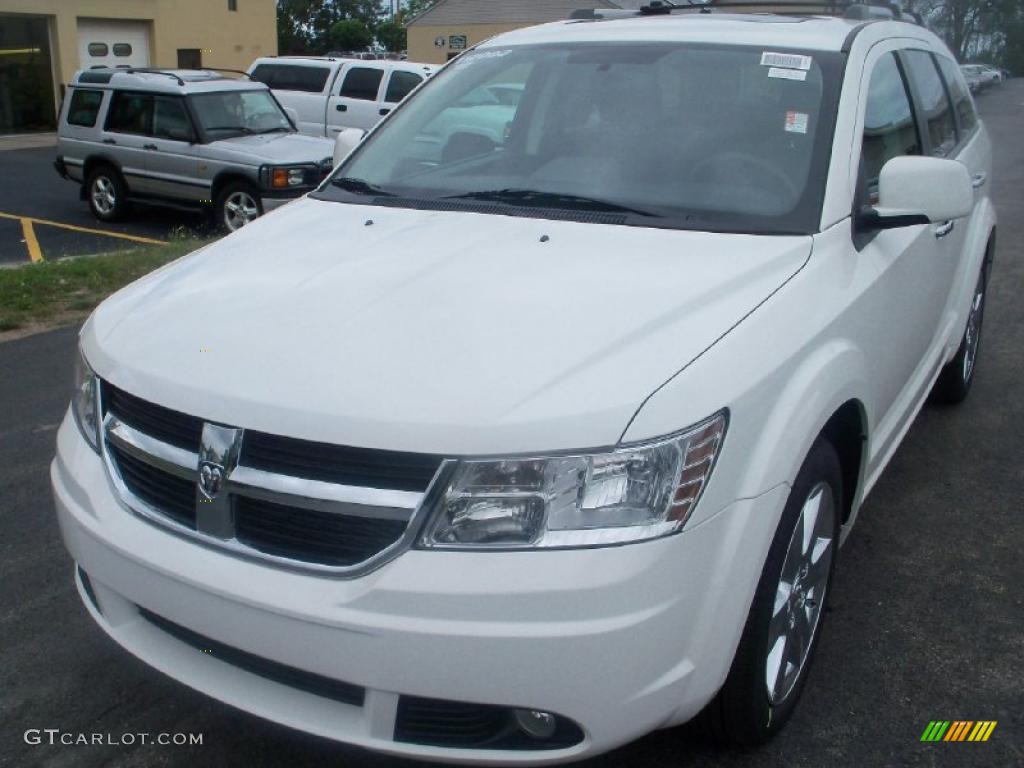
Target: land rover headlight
634, 492
85, 402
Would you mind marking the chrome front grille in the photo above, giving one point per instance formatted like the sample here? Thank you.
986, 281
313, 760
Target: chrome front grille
289, 502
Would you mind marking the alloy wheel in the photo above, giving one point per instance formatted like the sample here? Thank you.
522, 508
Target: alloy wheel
239, 209
972, 336
800, 594
104, 195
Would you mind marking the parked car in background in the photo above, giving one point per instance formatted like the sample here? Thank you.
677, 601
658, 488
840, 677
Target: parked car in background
183, 137
976, 83
329, 94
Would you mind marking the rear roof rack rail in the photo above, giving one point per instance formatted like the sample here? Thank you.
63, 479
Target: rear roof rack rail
868, 10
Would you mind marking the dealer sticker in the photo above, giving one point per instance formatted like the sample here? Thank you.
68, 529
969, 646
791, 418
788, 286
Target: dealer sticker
796, 122
788, 74
786, 60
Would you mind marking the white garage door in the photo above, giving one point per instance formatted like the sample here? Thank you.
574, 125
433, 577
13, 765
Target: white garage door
110, 43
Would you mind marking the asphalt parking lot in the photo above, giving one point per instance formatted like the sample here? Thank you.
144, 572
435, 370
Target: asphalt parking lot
62, 224
926, 621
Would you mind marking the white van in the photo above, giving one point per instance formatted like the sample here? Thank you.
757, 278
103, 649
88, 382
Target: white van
329, 94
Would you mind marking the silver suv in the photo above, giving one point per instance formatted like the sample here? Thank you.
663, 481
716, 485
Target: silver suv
189, 138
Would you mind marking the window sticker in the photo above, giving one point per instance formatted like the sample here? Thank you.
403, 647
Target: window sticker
788, 74
787, 60
796, 122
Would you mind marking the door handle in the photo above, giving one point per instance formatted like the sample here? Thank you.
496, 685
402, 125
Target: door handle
152, 147
383, 111
979, 179
342, 107
944, 229
109, 141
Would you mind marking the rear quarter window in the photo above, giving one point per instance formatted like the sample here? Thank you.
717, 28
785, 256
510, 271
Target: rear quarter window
291, 77
84, 107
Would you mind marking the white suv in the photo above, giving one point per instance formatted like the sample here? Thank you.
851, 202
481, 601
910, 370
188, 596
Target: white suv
514, 452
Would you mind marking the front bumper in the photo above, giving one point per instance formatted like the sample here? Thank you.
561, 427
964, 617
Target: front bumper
620, 640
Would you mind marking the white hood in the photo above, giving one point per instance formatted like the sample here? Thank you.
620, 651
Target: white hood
455, 333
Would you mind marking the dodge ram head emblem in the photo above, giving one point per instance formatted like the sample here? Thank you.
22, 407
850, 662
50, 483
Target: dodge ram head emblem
218, 457
211, 478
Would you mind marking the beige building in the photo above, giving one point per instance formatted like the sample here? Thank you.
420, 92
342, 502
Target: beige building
448, 27
43, 42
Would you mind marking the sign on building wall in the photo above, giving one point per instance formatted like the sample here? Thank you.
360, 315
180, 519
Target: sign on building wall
457, 42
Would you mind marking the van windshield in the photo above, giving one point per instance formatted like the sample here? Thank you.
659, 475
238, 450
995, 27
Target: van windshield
223, 114
723, 138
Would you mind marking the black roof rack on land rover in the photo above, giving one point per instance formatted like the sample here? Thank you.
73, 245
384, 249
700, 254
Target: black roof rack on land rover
867, 10
103, 75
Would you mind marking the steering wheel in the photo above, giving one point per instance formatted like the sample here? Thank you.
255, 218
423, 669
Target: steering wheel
738, 164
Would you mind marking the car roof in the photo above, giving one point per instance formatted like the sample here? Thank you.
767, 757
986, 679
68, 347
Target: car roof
411, 66
819, 33
175, 81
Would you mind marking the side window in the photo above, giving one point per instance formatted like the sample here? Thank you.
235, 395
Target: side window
130, 113
170, 120
362, 83
937, 114
85, 105
285, 77
400, 84
889, 129
960, 94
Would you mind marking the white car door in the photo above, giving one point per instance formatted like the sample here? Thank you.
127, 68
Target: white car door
356, 99
901, 311
400, 83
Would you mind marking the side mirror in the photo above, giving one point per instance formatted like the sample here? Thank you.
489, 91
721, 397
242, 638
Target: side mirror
919, 190
293, 116
347, 140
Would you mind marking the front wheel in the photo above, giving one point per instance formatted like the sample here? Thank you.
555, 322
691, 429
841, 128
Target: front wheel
775, 651
954, 381
237, 205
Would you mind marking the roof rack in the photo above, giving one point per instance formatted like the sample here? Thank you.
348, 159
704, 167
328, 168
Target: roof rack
864, 10
225, 69
148, 71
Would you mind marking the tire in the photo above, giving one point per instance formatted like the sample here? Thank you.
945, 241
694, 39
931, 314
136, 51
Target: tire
954, 381
107, 193
237, 204
749, 709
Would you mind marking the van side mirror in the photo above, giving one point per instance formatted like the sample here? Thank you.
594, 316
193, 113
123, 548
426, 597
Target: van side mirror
919, 190
347, 140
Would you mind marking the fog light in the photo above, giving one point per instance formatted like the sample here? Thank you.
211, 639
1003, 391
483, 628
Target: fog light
536, 724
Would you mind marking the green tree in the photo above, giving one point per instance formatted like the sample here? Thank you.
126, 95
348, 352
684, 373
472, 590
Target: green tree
391, 36
304, 26
349, 35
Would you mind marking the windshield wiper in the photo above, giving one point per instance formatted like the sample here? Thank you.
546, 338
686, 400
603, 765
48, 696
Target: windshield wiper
241, 128
534, 197
275, 130
359, 187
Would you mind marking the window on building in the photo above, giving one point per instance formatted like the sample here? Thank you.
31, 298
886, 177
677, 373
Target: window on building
287, 77
170, 120
960, 94
85, 105
400, 84
937, 113
98, 50
130, 113
361, 83
122, 49
190, 58
232, 5
889, 129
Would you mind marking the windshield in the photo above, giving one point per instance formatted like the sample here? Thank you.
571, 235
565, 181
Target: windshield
234, 113
725, 138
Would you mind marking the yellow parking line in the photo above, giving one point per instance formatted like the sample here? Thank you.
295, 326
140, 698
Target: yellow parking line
34, 252
87, 230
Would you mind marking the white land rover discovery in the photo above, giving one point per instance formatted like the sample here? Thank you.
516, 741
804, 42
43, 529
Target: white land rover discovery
511, 451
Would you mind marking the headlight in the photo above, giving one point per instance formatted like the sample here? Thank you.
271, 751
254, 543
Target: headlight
85, 402
632, 493
272, 177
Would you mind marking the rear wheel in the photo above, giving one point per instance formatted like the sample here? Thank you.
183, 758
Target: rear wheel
106, 193
954, 381
775, 651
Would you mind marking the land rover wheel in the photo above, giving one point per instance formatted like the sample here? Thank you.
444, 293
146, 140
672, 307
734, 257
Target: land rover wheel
107, 193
